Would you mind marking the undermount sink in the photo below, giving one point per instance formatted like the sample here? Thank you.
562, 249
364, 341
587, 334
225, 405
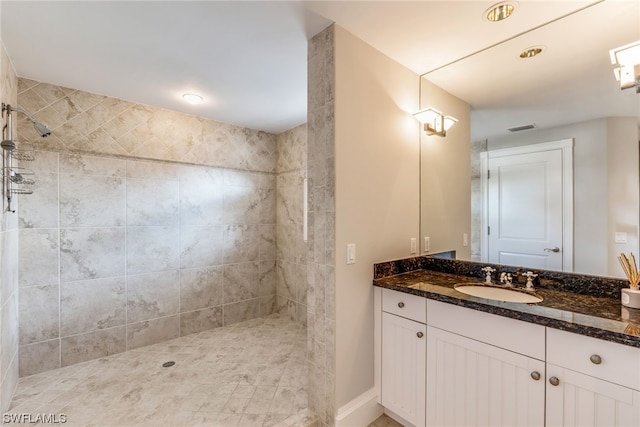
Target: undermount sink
497, 293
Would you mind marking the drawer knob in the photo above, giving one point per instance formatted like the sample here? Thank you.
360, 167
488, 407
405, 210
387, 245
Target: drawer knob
554, 381
420, 334
535, 375
595, 359
400, 304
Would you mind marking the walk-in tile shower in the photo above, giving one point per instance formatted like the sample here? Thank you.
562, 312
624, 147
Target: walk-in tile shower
147, 225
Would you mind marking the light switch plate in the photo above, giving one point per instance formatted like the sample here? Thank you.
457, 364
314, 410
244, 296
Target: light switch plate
351, 253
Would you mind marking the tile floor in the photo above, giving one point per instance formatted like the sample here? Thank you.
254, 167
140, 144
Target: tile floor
385, 421
249, 374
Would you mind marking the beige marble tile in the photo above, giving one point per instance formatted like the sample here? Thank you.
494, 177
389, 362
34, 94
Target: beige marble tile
152, 248
89, 346
153, 295
91, 253
200, 320
92, 201
91, 305
39, 357
38, 257
152, 331
201, 288
39, 314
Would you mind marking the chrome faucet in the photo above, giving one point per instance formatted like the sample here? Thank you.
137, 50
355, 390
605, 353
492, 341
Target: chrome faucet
488, 270
506, 279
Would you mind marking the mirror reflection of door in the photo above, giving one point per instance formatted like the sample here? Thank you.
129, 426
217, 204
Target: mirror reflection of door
526, 199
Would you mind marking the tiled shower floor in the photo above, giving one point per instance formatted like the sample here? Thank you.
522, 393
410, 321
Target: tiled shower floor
248, 374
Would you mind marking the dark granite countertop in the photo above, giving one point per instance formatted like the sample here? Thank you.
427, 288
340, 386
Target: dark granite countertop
596, 316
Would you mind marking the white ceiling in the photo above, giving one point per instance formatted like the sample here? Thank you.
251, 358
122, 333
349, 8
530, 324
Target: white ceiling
248, 59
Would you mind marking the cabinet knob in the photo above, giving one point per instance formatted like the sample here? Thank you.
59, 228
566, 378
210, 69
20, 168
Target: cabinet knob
400, 304
535, 375
554, 381
595, 359
420, 334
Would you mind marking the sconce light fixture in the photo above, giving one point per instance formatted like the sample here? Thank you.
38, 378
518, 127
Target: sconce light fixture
435, 123
627, 58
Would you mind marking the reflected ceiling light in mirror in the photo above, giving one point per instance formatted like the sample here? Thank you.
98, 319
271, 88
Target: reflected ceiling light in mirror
499, 11
627, 58
435, 123
531, 52
192, 98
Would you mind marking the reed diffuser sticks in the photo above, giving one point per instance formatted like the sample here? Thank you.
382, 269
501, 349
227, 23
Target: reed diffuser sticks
630, 268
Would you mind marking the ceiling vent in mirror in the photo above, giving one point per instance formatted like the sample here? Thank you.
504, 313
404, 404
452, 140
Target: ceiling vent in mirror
521, 128
499, 11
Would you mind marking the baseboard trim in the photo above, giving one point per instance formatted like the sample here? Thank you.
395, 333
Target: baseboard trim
361, 411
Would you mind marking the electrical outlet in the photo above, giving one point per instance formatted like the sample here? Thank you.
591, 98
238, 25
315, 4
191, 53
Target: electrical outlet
414, 246
426, 244
465, 239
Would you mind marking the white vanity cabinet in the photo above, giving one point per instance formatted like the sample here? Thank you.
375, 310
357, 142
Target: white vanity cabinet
443, 365
496, 378
403, 358
591, 382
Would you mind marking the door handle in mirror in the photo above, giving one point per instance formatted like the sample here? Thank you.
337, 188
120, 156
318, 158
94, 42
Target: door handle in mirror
554, 249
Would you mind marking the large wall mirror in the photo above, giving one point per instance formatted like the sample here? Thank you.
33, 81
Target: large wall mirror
566, 95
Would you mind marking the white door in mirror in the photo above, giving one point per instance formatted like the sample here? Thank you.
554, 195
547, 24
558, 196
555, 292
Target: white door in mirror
525, 205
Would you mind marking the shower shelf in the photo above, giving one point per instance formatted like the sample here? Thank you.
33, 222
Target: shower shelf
16, 179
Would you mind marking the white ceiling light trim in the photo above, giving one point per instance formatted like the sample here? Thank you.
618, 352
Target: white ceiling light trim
192, 98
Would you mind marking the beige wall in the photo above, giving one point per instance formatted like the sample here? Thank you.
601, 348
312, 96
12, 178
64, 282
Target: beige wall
377, 193
623, 189
606, 191
445, 176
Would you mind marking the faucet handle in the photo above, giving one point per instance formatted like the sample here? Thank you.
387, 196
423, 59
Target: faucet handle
488, 270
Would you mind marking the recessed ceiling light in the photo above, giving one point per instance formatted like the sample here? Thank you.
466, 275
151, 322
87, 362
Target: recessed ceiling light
192, 98
499, 11
531, 52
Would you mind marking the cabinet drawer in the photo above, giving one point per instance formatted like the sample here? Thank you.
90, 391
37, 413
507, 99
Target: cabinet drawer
617, 363
406, 305
510, 334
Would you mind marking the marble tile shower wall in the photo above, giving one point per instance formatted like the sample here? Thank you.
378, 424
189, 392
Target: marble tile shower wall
291, 286
8, 263
321, 254
116, 254
145, 225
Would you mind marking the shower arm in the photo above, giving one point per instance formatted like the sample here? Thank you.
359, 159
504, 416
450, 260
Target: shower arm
41, 128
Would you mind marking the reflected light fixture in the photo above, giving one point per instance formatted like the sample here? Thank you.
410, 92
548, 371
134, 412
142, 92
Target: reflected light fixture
531, 52
499, 11
192, 98
627, 58
435, 123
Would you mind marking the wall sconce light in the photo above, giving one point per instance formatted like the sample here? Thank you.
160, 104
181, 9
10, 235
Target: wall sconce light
435, 123
627, 58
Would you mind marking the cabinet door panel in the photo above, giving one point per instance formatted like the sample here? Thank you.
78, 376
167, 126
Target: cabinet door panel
584, 401
403, 367
476, 384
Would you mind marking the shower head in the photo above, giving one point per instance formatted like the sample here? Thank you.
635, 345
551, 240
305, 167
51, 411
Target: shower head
42, 130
